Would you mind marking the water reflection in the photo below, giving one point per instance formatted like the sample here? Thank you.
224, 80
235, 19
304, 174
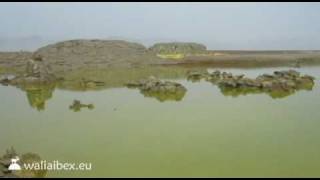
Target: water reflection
87, 79
77, 106
236, 92
94, 79
165, 96
37, 94
99, 79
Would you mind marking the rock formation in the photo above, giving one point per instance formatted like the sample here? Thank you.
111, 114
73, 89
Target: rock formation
73, 54
278, 84
37, 72
161, 90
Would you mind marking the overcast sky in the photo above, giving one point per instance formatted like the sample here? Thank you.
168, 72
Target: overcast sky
217, 25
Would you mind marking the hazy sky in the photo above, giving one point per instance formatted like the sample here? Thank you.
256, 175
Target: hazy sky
218, 25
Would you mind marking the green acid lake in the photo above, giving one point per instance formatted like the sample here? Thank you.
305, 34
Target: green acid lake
205, 133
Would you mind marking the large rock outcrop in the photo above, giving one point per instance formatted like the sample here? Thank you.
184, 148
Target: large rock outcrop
79, 53
161, 90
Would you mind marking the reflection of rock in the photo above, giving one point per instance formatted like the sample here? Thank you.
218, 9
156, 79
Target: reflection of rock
235, 92
37, 81
279, 84
38, 95
165, 96
89, 79
90, 84
27, 158
162, 90
77, 105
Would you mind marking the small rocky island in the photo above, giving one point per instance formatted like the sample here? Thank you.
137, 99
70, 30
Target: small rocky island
161, 90
278, 84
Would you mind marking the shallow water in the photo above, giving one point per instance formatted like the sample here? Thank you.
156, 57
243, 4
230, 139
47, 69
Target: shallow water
204, 134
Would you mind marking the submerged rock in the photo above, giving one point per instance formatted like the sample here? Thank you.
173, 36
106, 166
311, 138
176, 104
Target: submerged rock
77, 106
161, 90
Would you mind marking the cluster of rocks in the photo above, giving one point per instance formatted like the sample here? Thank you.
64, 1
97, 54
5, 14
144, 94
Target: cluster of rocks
77, 106
6, 161
278, 84
161, 90
37, 72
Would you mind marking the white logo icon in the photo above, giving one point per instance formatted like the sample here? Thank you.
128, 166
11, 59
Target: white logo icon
14, 166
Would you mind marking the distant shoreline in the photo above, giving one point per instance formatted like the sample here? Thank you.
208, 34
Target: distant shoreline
73, 54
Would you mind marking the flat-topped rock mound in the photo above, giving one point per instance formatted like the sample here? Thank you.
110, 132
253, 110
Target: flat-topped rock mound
178, 47
95, 52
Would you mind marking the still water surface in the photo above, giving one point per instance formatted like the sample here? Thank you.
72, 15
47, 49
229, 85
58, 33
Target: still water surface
204, 134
